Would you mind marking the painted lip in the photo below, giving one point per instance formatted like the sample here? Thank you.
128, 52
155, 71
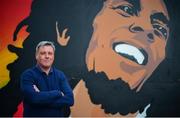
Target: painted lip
131, 52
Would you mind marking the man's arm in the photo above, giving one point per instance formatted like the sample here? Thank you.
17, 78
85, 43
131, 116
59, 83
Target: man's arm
67, 97
32, 95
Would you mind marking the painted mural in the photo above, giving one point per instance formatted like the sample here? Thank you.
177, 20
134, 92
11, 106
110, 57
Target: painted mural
120, 56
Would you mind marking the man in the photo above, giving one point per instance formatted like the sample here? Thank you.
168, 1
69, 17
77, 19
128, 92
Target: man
46, 90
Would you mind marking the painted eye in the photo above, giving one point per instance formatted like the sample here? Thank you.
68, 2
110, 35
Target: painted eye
125, 10
160, 31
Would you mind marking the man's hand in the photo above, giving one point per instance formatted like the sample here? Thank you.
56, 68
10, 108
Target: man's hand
62, 39
36, 88
62, 93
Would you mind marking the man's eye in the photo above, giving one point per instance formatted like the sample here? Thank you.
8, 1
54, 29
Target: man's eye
160, 31
125, 10
50, 53
42, 53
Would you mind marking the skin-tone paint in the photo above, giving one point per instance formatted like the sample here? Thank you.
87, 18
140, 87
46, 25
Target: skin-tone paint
143, 26
120, 21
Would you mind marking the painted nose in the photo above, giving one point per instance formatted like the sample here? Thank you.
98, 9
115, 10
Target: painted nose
136, 29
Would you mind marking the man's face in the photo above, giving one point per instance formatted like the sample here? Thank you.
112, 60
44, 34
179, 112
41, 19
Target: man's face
129, 40
45, 56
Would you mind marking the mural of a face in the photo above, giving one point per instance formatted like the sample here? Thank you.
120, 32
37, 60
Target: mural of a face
129, 40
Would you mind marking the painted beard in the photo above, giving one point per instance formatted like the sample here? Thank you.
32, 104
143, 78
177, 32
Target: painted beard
115, 96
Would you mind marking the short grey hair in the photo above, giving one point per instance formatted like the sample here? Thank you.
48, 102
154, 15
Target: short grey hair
45, 43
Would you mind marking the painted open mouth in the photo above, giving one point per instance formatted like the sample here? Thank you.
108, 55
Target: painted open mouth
131, 52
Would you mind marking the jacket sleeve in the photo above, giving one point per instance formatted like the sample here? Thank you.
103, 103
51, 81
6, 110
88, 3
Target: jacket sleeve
30, 95
67, 97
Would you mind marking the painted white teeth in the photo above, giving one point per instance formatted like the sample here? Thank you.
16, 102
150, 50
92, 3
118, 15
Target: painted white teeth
131, 51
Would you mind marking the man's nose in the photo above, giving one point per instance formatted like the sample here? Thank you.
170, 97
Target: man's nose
137, 28
46, 56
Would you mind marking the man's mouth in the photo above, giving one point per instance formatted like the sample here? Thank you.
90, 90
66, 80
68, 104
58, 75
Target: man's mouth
131, 52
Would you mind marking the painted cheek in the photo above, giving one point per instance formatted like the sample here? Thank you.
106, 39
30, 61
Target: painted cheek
158, 50
161, 49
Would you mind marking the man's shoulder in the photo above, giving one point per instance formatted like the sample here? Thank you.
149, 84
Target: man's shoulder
30, 70
59, 73
57, 70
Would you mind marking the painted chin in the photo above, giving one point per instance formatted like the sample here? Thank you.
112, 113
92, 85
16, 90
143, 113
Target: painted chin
131, 53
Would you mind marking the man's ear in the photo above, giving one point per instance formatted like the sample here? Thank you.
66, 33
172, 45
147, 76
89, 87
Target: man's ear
36, 55
62, 39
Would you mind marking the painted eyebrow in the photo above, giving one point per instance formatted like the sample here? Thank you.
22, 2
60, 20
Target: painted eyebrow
161, 17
